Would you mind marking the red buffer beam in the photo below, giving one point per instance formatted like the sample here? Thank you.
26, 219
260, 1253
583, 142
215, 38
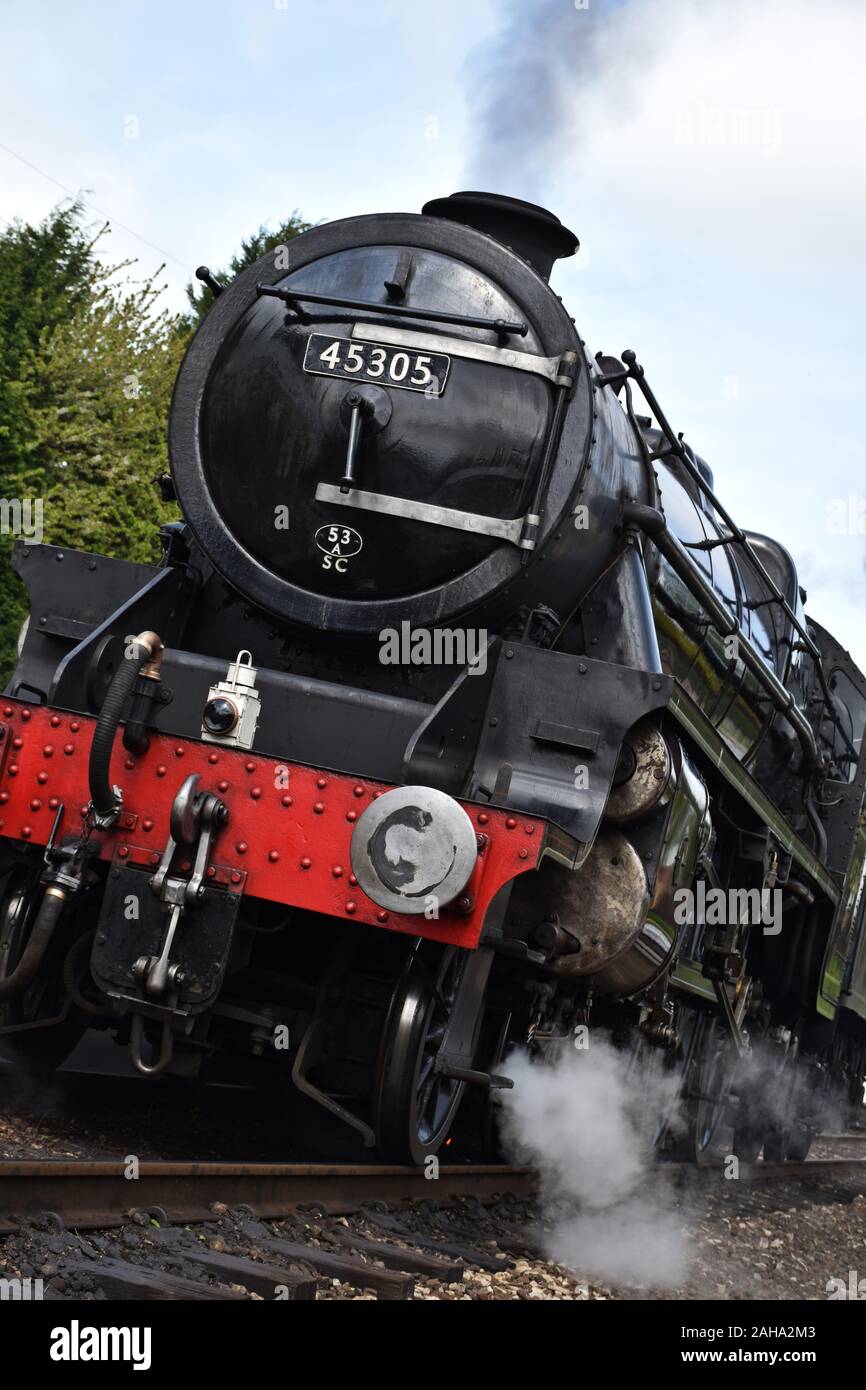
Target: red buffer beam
289, 826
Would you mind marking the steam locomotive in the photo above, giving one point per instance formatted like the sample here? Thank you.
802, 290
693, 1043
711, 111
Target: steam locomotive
458, 717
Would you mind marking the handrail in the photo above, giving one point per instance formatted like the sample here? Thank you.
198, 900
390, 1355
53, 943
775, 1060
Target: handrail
635, 372
402, 311
652, 522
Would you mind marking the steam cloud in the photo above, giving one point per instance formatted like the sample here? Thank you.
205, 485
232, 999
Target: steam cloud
531, 91
786, 1090
583, 1123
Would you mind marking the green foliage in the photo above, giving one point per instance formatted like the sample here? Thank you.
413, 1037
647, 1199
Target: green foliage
45, 273
86, 369
201, 297
100, 394
44, 276
87, 366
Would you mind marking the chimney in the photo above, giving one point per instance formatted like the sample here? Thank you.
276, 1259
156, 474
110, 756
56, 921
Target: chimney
531, 231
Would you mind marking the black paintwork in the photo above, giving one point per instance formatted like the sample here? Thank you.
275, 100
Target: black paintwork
132, 923
250, 432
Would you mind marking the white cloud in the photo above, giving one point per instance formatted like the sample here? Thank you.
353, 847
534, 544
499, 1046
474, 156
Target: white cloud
746, 127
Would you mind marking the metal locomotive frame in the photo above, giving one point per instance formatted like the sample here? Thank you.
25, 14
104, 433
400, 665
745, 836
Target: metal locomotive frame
410, 871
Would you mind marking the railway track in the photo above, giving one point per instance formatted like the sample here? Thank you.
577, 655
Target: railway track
201, 1230
206, 1230
92, 1193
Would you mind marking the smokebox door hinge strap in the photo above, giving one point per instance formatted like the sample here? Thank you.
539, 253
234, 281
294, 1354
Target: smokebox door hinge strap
519, 531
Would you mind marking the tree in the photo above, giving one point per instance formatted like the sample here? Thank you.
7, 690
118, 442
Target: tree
201, 297
45, 274
45, 277
87, 366
100, 393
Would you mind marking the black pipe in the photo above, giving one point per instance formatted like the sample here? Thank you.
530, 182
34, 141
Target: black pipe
820, 846
140, 650
75, 957
52, 905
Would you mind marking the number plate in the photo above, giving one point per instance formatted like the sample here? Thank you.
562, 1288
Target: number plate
379, 363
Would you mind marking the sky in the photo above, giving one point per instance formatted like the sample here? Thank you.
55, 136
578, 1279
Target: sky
710, 155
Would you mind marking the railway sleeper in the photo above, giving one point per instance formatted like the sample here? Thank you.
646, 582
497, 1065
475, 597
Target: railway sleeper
493, 1264
398, 1257
119, 1280
385, 1283
356, 1272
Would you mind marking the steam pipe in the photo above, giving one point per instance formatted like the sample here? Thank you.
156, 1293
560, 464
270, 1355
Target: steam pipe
50, 909
74, 958
142, 650
817, 825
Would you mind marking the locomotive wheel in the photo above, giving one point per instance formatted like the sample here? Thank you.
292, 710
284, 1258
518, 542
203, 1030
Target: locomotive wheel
652, 1076
479, 1128
415, 1106
800, 1142
776, 1144
769, 1093
788, 1143
748, 1141
705, 1092
490, 1128
44, 1050
751, 1124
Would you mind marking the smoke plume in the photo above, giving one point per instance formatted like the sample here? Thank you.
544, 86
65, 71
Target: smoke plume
533, 90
